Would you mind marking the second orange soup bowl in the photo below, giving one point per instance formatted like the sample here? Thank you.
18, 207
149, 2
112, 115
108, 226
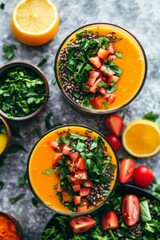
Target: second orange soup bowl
73, 170
100, 68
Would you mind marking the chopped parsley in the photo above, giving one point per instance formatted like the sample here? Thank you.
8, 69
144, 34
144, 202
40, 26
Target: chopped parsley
42, 62
8, 50
13, 200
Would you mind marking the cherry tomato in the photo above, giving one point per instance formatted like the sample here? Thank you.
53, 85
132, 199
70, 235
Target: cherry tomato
127, 167
109, 221
82, 224
143, 176
115, 142
130, 209
114, 124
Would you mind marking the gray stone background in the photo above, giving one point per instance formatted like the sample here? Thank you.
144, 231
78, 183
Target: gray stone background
141, 18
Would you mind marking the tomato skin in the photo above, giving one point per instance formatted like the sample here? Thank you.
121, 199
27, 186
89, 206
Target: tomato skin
115, 142
130, 209
114, 124
127, 166
143, 176
82, 224
109, 220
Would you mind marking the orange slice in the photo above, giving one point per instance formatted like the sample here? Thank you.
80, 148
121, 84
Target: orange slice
34, 22
141, 138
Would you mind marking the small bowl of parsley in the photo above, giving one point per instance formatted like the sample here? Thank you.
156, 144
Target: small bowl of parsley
100, 68
24, 91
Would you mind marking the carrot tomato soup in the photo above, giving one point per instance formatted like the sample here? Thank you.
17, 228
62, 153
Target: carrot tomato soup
101, 67
72, 169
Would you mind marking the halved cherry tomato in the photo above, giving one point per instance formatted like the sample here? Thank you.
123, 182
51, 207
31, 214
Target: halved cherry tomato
143, 176
82, 224
95, 61
127, 166
109, 220
114, 123
130, 209
96, 102
114, 141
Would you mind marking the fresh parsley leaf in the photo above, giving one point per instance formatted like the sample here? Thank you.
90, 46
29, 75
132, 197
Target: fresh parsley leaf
145, 212
118, 54
151, 116
1, 185
8, 50
16, 148
35, 201
111, 89
47, 172
42, 62
2, 6
13, 200
22, 180
53, 81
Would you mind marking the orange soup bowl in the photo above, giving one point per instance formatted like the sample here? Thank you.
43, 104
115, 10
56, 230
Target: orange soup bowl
73, 170
100, 68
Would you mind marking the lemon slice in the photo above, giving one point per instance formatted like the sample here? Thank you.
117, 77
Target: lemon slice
141, 138
34, 22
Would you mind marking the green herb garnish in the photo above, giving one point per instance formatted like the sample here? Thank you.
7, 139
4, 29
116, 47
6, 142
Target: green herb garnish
13, 200
22, 180
151, 116
2, 6
35, 201
8, 50
145, 212
47, 172
1, 185
42, 62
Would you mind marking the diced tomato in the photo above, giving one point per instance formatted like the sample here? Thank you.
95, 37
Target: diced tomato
84, 192
109, 220
84, 201
88, 183
80, 164
66, 150
82, 224
102, 53
130, 209
74, 156
76, 187
71, 178
69, 163
110, 48
110, 98
102, 90
112, 80
77, 200
81, 175
96, 102
66, 197
107, 71
82, 208
104, 79
55, 145
57, 158
93, 75
95, 61
111, 57
59, 189
95, 87
72, 169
